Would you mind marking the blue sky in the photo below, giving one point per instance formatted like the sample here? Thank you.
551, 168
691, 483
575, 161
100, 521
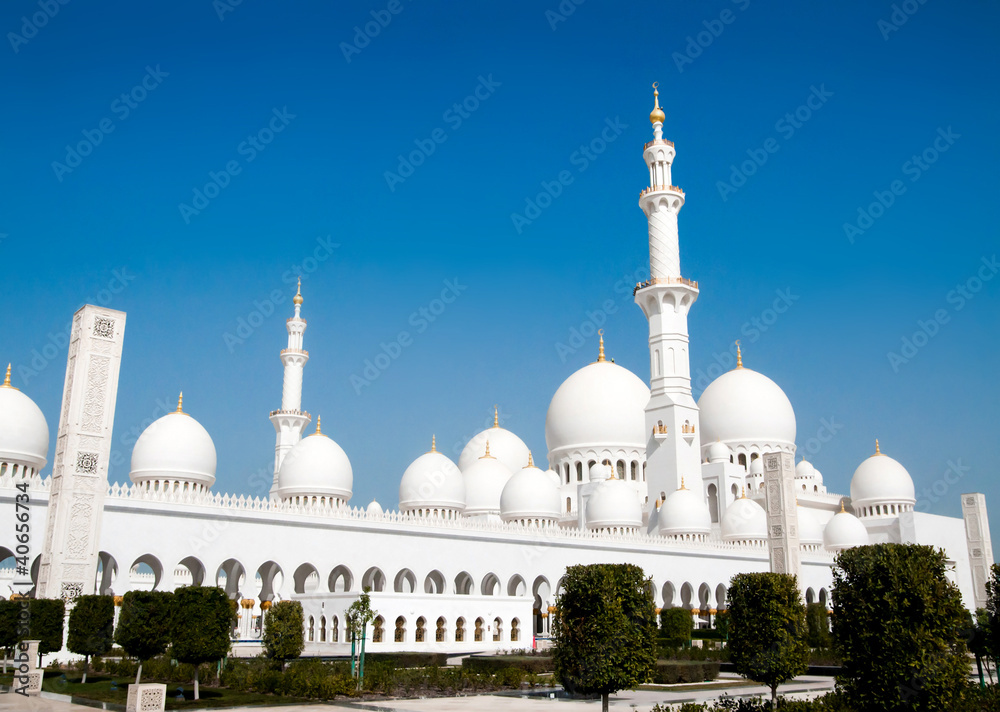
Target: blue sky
300, 116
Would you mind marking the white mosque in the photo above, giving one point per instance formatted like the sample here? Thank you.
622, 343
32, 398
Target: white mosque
473, 557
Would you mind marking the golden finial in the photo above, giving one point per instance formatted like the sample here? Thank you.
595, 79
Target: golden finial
877, 451
682, 484
739, 355
744, 493
298, 295
434, 443
180, 402
656, 115
496, 417
842, 506
530, 461
487, 454
318, 430
600, 349
6, 379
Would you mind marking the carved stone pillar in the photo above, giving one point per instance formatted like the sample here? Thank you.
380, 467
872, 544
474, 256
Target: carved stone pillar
782, 519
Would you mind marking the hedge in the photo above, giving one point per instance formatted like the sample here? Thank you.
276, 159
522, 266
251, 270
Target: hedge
670, 672
409, 660
495, 663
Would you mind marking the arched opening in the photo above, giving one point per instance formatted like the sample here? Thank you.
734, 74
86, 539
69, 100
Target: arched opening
434, 583
810, 596
735, 492
306, 579
464, 584
579, 472
515, 632
145, 573
824, 598
311, 635
490, 585
230, 577
540, 592
195, 569
620, 467
497, 630
341, 580
374, 579
668, 595
334, 629
635, 470
742, 459
516, 586
269, 577
569, 504
713, 502
479, 631
721, 594
322, 629
439, 630
378, 629
405, 582
687, 594
400, 633
420, 632
107, 571
460, 630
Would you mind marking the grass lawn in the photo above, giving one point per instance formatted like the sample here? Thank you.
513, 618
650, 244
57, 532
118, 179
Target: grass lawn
98, 687
688, 687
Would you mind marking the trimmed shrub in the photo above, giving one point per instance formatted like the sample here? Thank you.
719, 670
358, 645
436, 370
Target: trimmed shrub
671, 672
496, 663
676, 627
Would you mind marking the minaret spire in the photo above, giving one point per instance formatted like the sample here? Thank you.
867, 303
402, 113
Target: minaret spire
6, 379
180, 402
600, 348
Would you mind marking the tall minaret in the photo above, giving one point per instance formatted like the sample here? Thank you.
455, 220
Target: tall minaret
291, 420
674, 447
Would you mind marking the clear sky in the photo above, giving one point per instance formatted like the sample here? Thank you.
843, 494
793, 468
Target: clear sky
182, 161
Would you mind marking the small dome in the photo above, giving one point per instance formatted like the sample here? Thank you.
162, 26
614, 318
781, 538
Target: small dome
805, 470
600, 472
175, 448
743, 406
810, 530
316, 467
684, 512
602, 404
718, 452
613, 503
485, 480
745, 520
530, 494
432, 481
505, 446
554, 476
374, 509
756, 467
881, 480
844, 531
24, 434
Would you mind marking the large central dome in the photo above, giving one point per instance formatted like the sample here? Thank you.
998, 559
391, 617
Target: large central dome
744, 407
601, 404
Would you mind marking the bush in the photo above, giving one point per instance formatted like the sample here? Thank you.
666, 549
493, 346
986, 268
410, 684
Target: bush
818, 626
408, 660
676, 626
671, 672
496, 663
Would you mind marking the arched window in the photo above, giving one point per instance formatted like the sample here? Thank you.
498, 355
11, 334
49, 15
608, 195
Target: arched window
421, 623
743, 459
478, 636
460, 630
621, 469
400, 635
439, 633
566, 468
312, 629
515, 634
713, 503
377, 629
579, 472
644, 472
754, 456
497, 630
569, 504
322, 629
334, 630
635, 470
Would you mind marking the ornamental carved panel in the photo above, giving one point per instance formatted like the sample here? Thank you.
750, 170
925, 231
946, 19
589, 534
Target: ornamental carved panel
70, 591
78, 535
86, 463
104, 327
93, 405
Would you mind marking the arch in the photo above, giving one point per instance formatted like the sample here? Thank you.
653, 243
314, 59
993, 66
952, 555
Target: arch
341, 580
195, 567
687, 594
434, 583
540, 592
271, 577
635, 470
735, 492
421, 631
439, 630
378, 629
306, 578
334, 629
559, 585
478, 633
810, 595
374, 579
322, 629
490, 585
713, 502
721, 595
460, 630
107, 571
405, 582
515, 630
516, 586
146, 573
668, 595
497, 630
824, 597
464, 584
620, 467
569, 504
399, 634
579, 472
311, 636
230, 577
742, 459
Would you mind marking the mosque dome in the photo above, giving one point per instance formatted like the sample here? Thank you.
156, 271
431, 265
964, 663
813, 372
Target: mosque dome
805, 470
810, 529
24, 434
880, 483
172, 452
505, 446
316, 467
746, 407
530, 494
745, 520
432, 481
718, 452
600, 404
844, 531
613, 503
485, 480
756, 468
684, 512
374, 509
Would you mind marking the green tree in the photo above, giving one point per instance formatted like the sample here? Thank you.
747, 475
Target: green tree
283, 631
91, 626
144, 623
201, 623
604, 630
9, 612
992, 622
46, 625
767, 629
358, 616
818, 626
897, 624
676, 625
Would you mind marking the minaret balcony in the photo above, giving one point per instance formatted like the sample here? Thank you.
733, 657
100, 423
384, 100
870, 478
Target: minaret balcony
658, 142
661, 189
664, 280
291, 412
300, 352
